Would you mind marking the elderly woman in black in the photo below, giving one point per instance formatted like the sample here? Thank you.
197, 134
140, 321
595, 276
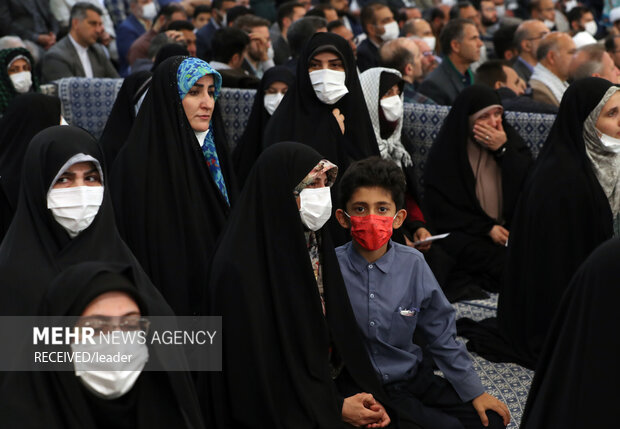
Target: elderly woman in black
473, 177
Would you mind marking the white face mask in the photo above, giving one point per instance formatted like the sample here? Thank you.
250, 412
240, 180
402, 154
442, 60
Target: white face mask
75, 208
430, 41
149, 11
111, 380
272, 101
315, 207
392, 107
391, 31
22, 81
549, 24
501, 10
591, 27
329, 85
612, 144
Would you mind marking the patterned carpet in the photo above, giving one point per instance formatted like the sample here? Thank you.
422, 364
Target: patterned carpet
506, 381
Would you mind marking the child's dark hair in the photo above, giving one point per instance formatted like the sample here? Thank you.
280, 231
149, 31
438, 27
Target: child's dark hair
374, 172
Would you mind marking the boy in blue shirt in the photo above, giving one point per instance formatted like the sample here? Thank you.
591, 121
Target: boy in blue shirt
393, 292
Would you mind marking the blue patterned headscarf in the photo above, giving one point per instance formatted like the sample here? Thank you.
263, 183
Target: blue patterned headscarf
192, 69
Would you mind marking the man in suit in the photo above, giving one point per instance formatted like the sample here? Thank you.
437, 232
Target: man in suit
510, 88
527, 38
217, 21
78, 53
229, 46
460, 43
549, 80
379, 25
30, 20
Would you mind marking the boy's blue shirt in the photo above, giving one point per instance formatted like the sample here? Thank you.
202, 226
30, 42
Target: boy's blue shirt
393, 297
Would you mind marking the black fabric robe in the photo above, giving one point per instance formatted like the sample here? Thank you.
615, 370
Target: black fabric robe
563, 215
169, 209
302, 117
58, 400
576, 381
19, 124
450, 194
123, 114
36, 248
276, 371
250, 144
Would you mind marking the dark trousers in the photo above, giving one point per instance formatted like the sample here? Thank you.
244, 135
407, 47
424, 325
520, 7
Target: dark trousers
432, 402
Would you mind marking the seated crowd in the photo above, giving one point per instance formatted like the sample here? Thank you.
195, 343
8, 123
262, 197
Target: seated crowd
333, 266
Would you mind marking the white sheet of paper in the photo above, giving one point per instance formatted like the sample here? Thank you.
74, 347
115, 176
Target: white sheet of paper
432, 238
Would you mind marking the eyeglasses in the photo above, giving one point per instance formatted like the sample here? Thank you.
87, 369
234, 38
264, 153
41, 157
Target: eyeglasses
107, 324
427, 54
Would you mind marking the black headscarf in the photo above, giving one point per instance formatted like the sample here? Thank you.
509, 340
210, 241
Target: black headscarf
250, 144
276, 340
7, 90
169, 209
58, 400
26, 116
450, 194
302, 117
36, 247
123, 114
578, 369
562, 215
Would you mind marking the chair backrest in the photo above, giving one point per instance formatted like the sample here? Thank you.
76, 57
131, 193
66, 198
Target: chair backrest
87, 103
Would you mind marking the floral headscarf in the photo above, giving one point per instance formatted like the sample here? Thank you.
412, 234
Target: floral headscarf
192, 69
324, 166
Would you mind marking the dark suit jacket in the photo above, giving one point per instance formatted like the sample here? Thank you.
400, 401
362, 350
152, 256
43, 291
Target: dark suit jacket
26, 18
203, 41
522, 70
523, 103
127, 33
443, 84
367, 55
62, 60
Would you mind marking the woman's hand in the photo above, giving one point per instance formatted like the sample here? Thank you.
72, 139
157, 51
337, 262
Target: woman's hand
489, 137
340, 118
499, 235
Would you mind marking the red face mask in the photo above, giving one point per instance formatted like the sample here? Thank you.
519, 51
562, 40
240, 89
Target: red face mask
372, 231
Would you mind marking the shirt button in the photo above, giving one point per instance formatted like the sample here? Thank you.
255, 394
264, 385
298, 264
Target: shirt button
371, 266
372, 295
372, 323
385, 376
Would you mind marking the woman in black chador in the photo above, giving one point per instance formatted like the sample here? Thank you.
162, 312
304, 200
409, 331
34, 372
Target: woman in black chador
566, 210
293, 355
473, 176
173, 183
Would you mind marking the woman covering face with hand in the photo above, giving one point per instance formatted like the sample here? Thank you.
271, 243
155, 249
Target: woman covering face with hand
473, 177
173, 182
568, 207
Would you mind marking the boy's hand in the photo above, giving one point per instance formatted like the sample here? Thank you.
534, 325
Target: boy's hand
487, 402
362, 410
